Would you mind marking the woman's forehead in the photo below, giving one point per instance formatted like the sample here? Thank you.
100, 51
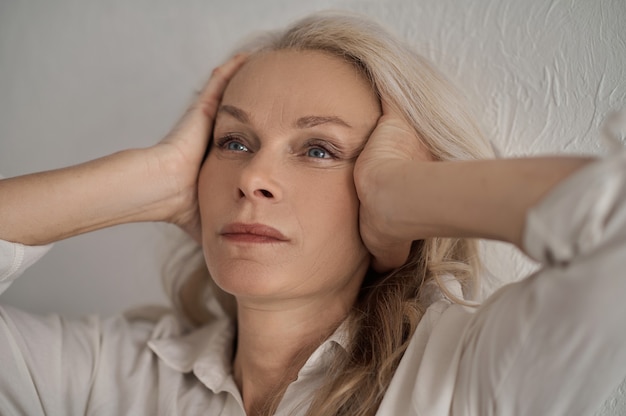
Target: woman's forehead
298, 84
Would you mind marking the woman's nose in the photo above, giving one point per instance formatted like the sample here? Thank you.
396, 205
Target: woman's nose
259, 178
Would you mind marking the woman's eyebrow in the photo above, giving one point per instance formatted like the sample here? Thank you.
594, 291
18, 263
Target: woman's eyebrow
302, 123
312, 121
236, 112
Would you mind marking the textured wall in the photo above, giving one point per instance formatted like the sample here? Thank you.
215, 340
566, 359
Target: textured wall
83, 78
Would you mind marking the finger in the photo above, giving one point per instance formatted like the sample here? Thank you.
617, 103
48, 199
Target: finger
211, 93
407, 140
385, 106
389, 109
198, 120
387, 253
390, 257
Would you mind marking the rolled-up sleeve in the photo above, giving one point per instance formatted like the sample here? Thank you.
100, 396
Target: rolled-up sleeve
15, 258
555, 343
47, 362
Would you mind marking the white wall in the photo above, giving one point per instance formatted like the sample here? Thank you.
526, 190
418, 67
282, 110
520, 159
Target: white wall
83, 78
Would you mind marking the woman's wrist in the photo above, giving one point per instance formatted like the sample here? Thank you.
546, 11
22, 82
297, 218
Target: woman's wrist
127, 186
152, 188
475, 199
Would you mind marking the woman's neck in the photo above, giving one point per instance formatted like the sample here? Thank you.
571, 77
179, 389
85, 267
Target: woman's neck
275, 340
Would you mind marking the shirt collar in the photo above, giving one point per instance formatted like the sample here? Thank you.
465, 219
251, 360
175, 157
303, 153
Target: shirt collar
208, 352
321, 358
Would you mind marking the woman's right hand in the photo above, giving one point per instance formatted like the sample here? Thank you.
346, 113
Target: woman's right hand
153, 184
182, 151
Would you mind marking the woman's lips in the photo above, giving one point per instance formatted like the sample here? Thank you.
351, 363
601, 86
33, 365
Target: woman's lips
252, 233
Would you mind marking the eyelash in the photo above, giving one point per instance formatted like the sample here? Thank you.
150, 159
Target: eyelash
323, 145
222, 142
327, 148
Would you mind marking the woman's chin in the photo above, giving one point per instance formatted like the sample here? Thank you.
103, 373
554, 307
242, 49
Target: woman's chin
251, 284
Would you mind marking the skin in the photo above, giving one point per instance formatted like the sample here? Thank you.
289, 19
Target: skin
401, 197
158, 183
272, 163
298, 179
264, 168
405, 197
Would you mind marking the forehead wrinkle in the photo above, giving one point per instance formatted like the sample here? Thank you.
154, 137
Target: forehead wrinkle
235, 112
312, 121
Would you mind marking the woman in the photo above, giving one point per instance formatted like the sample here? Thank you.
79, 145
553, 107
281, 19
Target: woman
333, 208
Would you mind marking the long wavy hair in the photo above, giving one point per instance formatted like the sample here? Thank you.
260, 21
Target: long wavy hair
389, 307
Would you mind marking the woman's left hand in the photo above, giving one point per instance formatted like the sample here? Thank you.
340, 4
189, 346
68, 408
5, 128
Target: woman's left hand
392, 146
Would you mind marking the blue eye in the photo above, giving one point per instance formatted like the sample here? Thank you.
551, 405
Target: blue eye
236, 146
317, 152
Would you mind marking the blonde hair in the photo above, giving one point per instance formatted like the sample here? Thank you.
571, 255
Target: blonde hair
389, 307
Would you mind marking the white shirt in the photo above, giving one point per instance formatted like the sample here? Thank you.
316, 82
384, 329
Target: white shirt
552, 344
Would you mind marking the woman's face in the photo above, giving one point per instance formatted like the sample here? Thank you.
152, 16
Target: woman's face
277, 200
